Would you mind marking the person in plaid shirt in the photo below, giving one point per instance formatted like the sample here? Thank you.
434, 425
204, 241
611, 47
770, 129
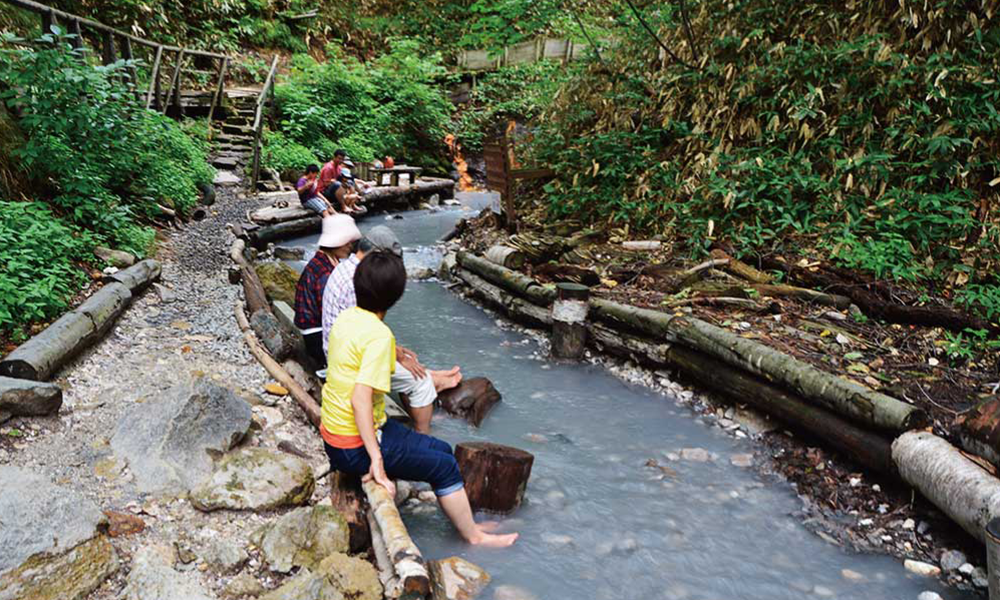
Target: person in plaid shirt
419, 384
339, 233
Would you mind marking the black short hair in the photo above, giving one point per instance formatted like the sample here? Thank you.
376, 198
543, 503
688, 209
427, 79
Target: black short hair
312, 169
379, 281
340, 152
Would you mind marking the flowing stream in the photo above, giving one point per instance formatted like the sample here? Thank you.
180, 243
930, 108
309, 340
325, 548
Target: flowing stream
597, 523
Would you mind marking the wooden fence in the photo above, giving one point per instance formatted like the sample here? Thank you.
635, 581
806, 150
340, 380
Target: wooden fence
112, 43
525, 52
266, 93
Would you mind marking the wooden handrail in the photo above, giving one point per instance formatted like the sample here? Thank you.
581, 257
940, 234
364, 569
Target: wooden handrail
50, 14
258, 123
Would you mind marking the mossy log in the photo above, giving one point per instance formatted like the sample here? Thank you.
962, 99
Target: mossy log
397, 194
44, 354
959, 487
774, 291
406, 558
865, 447
505, 256
841, 395
741, 269
262, 236
270, 215
511, 280
139, 276
507, 303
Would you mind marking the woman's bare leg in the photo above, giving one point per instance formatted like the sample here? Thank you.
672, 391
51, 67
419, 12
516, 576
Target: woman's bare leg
456, 506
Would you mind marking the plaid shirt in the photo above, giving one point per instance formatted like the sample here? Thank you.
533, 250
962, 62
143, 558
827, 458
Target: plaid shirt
309, 292
338, 295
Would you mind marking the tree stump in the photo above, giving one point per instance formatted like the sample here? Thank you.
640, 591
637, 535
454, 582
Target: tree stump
471, 400
495, 475
569, 321
347, 497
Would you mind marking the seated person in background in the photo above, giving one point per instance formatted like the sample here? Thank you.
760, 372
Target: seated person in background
329, 175
308, 189
358, 437
409, 377
348, 196
339, 233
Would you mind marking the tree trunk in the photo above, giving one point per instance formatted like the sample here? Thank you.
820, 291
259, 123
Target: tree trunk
864, 447
272, 214
495, 476
505, 256
138, 276
955, 484
511, 280
471, 400
253, 289
512, 306
406, 558
41, 356
386, 573
348, 498
840, 395
25, 398
263, 236
978, 430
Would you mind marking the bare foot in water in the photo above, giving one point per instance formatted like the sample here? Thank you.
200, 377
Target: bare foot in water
445, 380
494, 541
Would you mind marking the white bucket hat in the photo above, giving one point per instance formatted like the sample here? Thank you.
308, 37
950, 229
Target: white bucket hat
338, 230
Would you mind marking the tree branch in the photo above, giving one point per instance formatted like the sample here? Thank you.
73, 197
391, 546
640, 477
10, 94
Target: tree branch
593, 44
687, 30
652, 33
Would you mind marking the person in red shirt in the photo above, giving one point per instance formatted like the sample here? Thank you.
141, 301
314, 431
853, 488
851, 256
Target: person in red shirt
329, 175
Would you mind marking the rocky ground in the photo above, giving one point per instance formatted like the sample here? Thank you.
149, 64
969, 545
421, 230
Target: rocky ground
134, 436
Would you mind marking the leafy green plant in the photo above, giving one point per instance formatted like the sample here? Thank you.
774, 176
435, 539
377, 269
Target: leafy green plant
968, 344
982, 298
39, 253
285, 156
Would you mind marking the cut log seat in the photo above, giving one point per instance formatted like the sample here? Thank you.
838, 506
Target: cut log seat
471, 400
496, 476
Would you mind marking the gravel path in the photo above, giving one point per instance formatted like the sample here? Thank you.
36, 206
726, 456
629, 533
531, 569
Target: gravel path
163, 339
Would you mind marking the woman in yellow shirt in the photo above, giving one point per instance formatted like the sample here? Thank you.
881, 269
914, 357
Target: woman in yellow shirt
358, 437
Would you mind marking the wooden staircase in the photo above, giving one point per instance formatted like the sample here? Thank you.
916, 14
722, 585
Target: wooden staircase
233, 144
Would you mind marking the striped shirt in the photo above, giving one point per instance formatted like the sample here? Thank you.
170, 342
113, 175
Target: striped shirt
338, 295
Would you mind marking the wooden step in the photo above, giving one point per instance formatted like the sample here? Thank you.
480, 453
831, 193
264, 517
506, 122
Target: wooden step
225, 162
233, 138
237, 129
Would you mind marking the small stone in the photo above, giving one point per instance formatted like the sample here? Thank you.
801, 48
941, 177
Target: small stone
536, 438
165, 294
851, 575
866, 522
303, 538
337, 576
243, 585
153, 578
966, 569
122, 524
921, 568
275, 389
427, 496
455, 578
695, 454
923, 527
822, 591
741, 460
909, 524
929, 595
222, 555
951, 560
980, 578
854, 481
289, 252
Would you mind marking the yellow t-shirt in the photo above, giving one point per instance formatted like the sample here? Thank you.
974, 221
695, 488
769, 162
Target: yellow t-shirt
362, 350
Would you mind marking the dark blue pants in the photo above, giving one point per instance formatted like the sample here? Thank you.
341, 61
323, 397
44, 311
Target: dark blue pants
406, 455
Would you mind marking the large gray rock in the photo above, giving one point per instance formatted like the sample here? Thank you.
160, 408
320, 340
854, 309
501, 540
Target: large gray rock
455, 578
153, 578
25, 398
279, 281
338, 577
255, 479
303, 538
72, 575
222, 555
49, 543
37, 516
167, 439
115, 258
279, 343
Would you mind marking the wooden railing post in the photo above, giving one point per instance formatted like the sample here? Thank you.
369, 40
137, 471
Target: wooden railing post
108, 48
154, 81
258, 121
47, 17
219, 88
126, 46
174, 81
77, 40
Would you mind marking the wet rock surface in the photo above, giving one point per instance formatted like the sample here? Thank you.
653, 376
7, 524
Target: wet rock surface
303, 538
337, 577
153, 577
455, 578
279, 281
255, 479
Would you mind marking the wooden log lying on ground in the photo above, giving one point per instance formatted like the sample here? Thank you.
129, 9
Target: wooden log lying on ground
874, 306
471, 400
741, 269
41, 356
139, 276
955, 484
386, 573
424, 186
25, 398
843, 396
774, 291
978, 430
505, 256
406, 558
278, 343
302, 398
509, 304
506, 278
270, 215
262, 236
866, 448
495, 475
253, 290
348, 498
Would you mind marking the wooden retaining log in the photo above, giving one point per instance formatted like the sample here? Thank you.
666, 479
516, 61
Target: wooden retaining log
864, 447
262, 236
840, 395
741, 269
471, 400
507, 303
41, 356
391, 584
495, 475
139, 276
958, 486
505, 256
569, 321
406, 558
270, 215
511, 280
425, 186
25, 398
348, 498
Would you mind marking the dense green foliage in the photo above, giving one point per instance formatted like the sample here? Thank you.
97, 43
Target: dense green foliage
389, 106
102, 163
865, 133
38, 251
